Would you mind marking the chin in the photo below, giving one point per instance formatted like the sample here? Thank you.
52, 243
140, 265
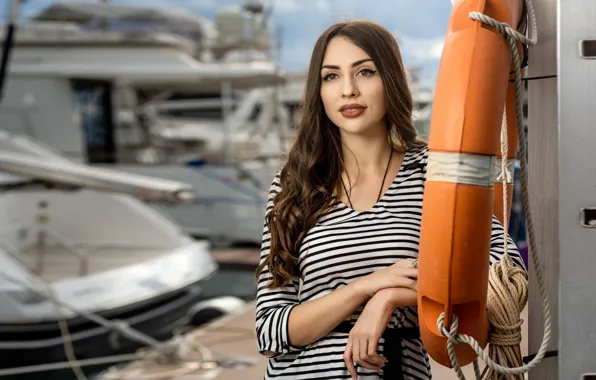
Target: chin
358, 127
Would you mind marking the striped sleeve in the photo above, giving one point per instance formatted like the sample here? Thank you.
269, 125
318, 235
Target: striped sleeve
273, 306
497, 246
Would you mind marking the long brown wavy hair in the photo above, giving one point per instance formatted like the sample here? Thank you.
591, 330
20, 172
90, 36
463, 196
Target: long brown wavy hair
310, 178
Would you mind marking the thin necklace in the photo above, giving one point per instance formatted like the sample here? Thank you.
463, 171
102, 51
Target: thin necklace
382, 183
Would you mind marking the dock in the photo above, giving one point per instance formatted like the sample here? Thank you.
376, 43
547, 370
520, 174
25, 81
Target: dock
232, 342
227, 344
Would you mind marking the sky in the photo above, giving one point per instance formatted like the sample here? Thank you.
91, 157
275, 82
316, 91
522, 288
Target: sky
420, 25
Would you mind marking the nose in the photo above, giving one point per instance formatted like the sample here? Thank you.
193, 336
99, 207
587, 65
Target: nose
349, 87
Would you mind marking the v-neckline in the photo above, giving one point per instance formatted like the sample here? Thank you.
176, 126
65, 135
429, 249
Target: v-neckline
374, 206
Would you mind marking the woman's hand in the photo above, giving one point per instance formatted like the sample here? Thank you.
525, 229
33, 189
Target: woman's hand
402, 274
366, 333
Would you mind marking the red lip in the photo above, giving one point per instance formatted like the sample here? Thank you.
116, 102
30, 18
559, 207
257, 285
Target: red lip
353, 106
352, 110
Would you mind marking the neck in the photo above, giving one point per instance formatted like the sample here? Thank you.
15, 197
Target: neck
365, 154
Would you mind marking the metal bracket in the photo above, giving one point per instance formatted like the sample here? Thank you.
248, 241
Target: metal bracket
587, 218
587, 49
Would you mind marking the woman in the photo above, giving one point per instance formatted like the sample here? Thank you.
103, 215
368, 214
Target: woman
337, 271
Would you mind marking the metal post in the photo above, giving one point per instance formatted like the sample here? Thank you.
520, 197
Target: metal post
543, 182
8, 44
41, 220
15, 11
577, 185
226, 98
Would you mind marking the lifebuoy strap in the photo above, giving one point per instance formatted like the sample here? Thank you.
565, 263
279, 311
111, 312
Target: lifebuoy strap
499, 171
463, 168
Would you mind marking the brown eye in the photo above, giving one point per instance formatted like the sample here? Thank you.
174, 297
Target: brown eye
367, 72
329, 76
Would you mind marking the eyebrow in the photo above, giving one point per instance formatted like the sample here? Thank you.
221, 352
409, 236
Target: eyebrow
335, 67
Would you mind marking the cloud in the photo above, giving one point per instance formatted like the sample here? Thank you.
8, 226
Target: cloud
289, 6
285, 6
422, 49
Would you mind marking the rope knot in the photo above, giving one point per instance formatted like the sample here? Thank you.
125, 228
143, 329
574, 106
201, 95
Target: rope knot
451, 335
504, 175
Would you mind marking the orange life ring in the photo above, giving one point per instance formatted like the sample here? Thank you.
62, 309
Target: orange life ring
465, 139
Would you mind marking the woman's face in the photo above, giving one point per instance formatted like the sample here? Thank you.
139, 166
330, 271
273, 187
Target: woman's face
352, 89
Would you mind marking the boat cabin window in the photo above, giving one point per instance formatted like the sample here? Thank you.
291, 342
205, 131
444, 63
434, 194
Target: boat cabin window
94, 99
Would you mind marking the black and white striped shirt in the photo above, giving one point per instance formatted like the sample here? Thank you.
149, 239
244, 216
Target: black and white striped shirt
344, 245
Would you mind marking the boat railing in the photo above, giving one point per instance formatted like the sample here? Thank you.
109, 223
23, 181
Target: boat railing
43, 236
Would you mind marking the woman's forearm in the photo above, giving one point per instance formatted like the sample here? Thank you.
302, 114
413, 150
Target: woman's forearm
398, 297
310, 321
314, 319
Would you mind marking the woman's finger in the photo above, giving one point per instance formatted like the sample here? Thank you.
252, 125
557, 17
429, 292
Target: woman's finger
373, 356
410, 273
356, 351
362, 356
349, 360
